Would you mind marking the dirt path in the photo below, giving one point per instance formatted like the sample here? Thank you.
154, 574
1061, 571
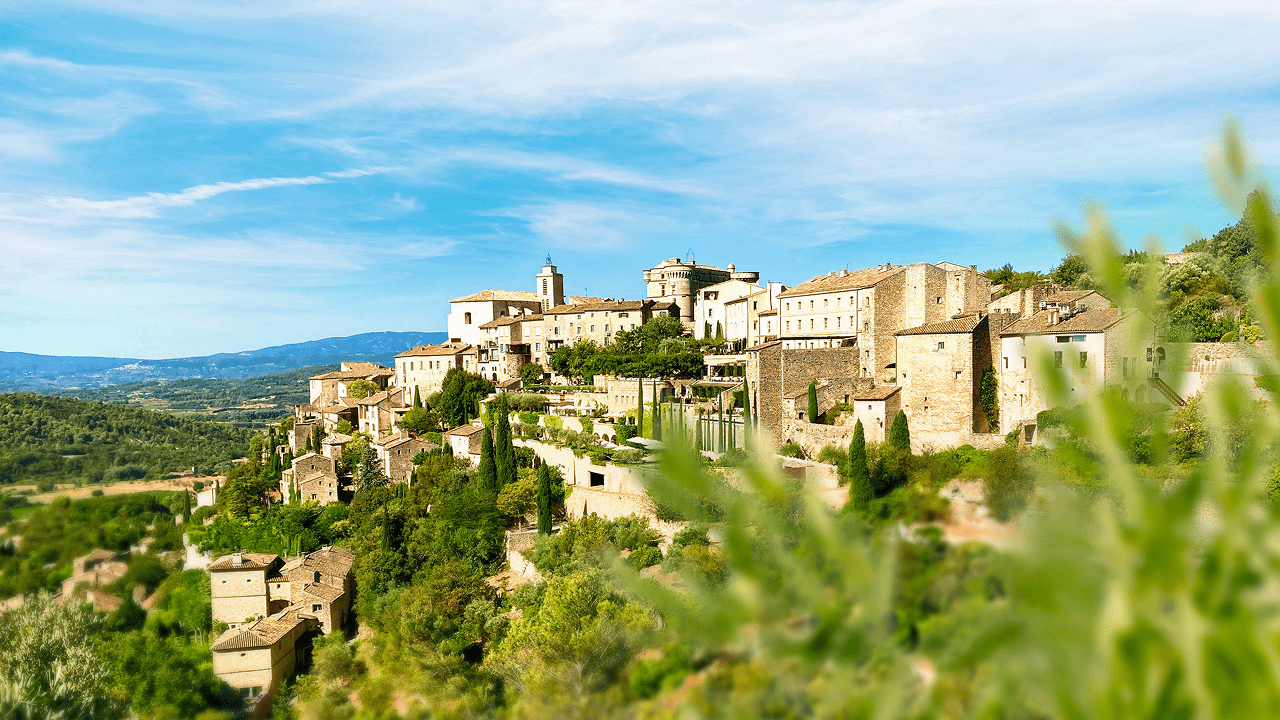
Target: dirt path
75, 492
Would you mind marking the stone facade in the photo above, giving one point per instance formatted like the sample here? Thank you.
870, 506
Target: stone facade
328, 388
776, 377
396, 453
424, 367
467, 314
377, 414
678, 281
710, 315
465, 441
314, 477
940, 368
599, 322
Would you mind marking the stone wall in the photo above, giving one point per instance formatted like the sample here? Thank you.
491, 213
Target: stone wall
775, 375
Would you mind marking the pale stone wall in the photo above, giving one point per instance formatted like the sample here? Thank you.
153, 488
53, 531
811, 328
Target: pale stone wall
238, 594
876, 417
940, 375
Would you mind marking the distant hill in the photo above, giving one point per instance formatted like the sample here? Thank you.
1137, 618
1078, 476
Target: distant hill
43, 373
249, 402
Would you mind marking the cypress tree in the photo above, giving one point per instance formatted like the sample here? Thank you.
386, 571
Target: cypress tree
899, 433
813, 403
746, 413
697, 431
640, 405
310, 447
417, 399
317, 433
544, 499
657, 428
186, 506
720, 422
860, 492
504, 450
487, 474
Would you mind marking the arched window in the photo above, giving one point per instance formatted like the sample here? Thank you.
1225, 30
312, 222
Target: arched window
1140, 395
466, 318
1159, 356
315, 577
1124, 393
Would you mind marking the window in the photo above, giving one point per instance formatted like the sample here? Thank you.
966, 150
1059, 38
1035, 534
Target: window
810, 304
824, 303
1149, 354
866, 327
1084, 359
810, 323
544, 285
466, 318
1077, 338
1057, 358
788, 325
1064, 338
1024, 363
939, 300
824, 323
942, 346
755, 305
838, 318
593, 328
315, 607
595, 479
957, 375
788, 307
1006, 363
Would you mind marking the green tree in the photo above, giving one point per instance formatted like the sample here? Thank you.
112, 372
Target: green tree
420, 421
900, 434
531, 374
460, 396
860, 490
487, 472
417, 398
989, 398
504, 451
317, 436
48, 666
544, 499
1071, 271
813, 403
361, 389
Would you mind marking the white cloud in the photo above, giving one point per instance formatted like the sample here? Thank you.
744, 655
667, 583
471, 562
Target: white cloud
150, 205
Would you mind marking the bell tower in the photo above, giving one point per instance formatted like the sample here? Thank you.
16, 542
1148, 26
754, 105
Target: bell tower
550, 286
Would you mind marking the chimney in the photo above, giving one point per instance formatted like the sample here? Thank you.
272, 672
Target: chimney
237, 559
1053, 316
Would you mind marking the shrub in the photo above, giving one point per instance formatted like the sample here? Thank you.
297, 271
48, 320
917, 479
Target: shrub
832, 455
1008, 485
529, 418
650, 677
888, 468
791, 449
625, 432
97, 492
645, 557
733, 457
628, 455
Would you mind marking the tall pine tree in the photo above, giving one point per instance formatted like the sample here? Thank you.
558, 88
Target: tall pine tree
544, 499
417, 399
657, 427
813, 403
640, 405
487, 474
860, 492
899, 433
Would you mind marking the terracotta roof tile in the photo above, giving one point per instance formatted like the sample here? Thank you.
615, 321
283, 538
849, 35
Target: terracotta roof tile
252, 561
964, 324
1091, 320
879, 392
433, 350
488, 295
843, 280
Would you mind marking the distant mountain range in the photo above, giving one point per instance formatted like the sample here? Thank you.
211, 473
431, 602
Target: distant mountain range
25, 371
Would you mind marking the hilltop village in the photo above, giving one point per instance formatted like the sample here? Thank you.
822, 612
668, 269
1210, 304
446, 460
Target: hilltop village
592, 385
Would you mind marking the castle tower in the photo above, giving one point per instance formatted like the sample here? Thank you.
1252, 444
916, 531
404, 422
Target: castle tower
550, 286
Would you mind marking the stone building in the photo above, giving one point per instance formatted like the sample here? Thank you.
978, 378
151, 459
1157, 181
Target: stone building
678, 281
599, 321
423, 367
940, 369
776, 376
743, 318
876, 408
467, 314
274, 608
509, 343
314, 477
709, 317
1025, 302
379, 413
328, 387
865, 308
95, 568
395, 453
465, 441
1094, 347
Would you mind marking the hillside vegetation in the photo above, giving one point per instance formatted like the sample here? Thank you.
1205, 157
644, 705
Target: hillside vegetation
49, 439
254, 401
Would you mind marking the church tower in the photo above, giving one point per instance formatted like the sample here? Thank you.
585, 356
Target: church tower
550, 286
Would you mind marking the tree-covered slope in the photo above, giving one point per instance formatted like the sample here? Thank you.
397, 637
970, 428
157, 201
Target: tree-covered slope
60, 439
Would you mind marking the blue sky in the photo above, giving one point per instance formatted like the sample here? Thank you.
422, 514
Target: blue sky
182, 178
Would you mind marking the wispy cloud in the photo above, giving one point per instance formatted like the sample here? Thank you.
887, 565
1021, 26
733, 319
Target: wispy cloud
150, 204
